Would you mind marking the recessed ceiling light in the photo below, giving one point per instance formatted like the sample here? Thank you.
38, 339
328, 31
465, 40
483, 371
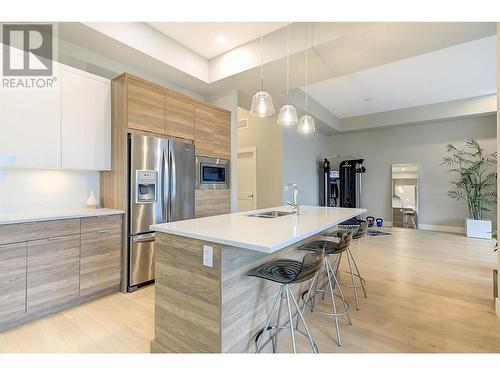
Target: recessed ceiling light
221, 40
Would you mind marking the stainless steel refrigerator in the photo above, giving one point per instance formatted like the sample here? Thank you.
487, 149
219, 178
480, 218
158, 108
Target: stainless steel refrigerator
161, 189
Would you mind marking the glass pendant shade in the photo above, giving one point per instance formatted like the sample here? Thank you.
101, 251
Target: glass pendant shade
262, 105
288, 115
306, 125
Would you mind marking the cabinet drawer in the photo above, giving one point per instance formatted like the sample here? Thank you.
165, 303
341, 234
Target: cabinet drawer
97, 223
100, 261
12, 281
53, 272
36, 230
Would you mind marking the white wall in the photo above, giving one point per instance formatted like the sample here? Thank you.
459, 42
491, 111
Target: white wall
302, 156
267, 136
24, 190
424, 145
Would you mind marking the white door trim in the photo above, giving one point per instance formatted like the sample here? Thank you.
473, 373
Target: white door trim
253, 150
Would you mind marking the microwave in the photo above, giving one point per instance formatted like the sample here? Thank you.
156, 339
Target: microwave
212, 173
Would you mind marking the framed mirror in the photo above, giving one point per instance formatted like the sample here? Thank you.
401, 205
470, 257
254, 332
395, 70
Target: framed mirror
405, 196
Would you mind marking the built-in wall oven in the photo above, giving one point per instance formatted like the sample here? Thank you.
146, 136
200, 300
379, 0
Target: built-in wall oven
212, 173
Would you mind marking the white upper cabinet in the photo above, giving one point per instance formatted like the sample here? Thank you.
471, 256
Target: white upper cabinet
86, 120
30, 127
67, 127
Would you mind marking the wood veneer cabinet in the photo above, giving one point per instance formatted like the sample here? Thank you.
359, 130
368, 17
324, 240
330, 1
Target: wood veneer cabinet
145, 106
53, 272
48, 266
179, 113
100, 254
212, 135
12, 280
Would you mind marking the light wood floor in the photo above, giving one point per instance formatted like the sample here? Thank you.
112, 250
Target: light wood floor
427, 292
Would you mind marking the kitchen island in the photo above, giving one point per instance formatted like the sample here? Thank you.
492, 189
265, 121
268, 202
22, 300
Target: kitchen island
204, 301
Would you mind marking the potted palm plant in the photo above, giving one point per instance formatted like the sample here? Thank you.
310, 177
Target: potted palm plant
476, 183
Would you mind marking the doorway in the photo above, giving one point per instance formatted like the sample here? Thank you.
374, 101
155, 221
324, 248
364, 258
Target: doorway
247, 178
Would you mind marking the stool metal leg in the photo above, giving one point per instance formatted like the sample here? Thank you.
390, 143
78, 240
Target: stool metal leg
259, 341
335, 282
334, 305
301, 317
276, 336
290, 322
359, 274
352, 279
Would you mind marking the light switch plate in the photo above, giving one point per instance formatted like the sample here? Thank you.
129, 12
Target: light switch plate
208, 256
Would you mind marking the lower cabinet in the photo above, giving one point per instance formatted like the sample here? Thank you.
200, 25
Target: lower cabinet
12, 281
57, 264
53, 272
100, 261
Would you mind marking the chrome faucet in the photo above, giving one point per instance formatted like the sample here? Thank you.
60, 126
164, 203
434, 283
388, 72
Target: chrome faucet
295, 204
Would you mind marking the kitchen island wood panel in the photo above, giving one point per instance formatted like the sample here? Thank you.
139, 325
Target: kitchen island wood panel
200, 309
187, 297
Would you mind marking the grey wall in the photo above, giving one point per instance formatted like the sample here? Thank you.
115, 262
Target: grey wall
302, 154
266, 135
423, 144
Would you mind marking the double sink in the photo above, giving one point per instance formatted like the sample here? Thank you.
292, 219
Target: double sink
271, 214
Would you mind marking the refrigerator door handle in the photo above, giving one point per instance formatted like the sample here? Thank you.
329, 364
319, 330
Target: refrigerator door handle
173, 183
165, 186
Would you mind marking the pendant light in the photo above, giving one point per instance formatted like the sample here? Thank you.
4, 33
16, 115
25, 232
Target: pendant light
306, 122
262, 102
288, 113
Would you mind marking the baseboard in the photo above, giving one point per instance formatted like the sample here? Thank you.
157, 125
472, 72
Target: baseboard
441, 228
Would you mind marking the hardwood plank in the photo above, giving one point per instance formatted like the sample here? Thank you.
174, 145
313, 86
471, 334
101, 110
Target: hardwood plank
212, 202
11, 233
53, 272
12, 281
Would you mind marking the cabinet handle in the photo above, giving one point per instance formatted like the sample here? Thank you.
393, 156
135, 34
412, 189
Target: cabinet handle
55, 238
103, 231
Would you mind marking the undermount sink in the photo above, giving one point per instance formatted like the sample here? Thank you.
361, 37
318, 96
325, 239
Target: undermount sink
271, 214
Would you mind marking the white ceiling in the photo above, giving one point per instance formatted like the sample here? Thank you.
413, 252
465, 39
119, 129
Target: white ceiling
203, 37
462, 71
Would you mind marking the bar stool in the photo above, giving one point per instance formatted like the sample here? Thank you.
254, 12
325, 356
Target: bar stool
330, 248
287, 272
358, 228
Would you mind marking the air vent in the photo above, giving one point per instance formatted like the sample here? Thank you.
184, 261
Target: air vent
243, 123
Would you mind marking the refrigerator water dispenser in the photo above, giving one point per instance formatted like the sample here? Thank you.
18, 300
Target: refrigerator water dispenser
146, 186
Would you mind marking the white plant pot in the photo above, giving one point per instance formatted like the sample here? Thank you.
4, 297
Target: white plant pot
478, 228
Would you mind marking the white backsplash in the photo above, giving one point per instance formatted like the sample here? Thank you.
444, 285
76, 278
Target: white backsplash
25, 190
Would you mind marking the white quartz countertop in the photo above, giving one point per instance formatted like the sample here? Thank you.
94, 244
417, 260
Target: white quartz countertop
23, 217
261, 234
